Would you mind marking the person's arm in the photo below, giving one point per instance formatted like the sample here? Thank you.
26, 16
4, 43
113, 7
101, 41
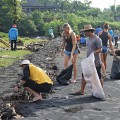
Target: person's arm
110, 43
63, 44
98, 50
74, 41
100, 33
16, 34
26, 74
98, 44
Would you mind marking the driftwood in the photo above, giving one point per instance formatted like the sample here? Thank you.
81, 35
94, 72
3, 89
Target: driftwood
34, 47
5, 43
7, 110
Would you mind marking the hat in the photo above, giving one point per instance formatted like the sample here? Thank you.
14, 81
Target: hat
24, 62
86, 28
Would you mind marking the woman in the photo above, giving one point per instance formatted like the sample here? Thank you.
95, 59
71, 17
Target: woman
105, 36
34, 80
70, 46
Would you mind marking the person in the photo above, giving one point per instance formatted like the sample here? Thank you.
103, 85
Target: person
111, 32
59, 30
105, 36
34, 80
98, 30
13, 36
82, 39
50, 32
69, 44
116, 37
94, 44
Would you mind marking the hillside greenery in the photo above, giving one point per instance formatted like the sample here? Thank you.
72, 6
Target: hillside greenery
37, 23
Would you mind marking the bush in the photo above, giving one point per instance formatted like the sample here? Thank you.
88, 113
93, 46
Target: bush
27, 27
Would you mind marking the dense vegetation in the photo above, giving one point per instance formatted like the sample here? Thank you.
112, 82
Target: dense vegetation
74, 12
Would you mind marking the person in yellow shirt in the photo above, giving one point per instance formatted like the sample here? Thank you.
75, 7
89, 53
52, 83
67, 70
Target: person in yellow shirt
34, 80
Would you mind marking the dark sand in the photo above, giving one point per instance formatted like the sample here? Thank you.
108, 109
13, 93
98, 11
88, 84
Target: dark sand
60, 105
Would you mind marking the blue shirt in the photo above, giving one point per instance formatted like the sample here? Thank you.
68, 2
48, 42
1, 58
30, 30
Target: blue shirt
13, 34
111, 33
50, 31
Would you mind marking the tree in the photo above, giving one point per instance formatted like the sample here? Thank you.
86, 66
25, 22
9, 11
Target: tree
13, 9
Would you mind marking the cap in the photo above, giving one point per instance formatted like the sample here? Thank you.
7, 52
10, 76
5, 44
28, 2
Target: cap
25, 62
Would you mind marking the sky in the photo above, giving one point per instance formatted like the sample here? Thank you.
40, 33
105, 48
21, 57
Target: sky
103, 3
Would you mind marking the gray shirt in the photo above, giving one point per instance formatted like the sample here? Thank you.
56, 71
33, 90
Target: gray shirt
93, 44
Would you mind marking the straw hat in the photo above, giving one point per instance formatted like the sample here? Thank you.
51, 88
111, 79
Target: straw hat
86, 28
25, 62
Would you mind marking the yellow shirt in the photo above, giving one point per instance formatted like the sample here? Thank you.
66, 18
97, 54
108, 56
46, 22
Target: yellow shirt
38, 75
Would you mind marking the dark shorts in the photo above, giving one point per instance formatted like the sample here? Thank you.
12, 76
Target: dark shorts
44, 88
98, 68
116, 39
69, 53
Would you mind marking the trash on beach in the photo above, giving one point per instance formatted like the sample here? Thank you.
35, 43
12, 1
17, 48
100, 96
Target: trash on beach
115, 70
65, 75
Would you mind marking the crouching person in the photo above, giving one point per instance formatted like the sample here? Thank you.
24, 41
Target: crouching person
34, 80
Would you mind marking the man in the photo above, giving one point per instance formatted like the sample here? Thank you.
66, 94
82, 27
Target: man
98, 30
13, 35
116, 37
111, 32
50, 32
59, 30
34, 80
94, 44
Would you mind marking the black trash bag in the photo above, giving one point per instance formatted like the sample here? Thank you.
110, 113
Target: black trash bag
115, 71
117, 52
65, 75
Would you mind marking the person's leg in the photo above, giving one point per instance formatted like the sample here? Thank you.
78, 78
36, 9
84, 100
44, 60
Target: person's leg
75, 56
35, 94
103, 69
98, 68
105, 60
12, 45
83, 84
116, 44
66, 59
81, 91
15, 44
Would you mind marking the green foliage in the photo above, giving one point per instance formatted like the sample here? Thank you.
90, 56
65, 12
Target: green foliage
76, 13
54, 24
4, 62
26, 26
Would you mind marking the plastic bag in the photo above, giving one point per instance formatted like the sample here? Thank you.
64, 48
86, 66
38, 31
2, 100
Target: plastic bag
90, 75
65, 75
115, 71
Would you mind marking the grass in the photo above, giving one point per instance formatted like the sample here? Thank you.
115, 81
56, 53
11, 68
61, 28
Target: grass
4, 62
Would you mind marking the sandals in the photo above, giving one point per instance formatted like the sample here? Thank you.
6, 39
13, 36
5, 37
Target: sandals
77, 93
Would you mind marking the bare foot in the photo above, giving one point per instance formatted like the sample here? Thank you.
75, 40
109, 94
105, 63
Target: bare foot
39, 98
73, 81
